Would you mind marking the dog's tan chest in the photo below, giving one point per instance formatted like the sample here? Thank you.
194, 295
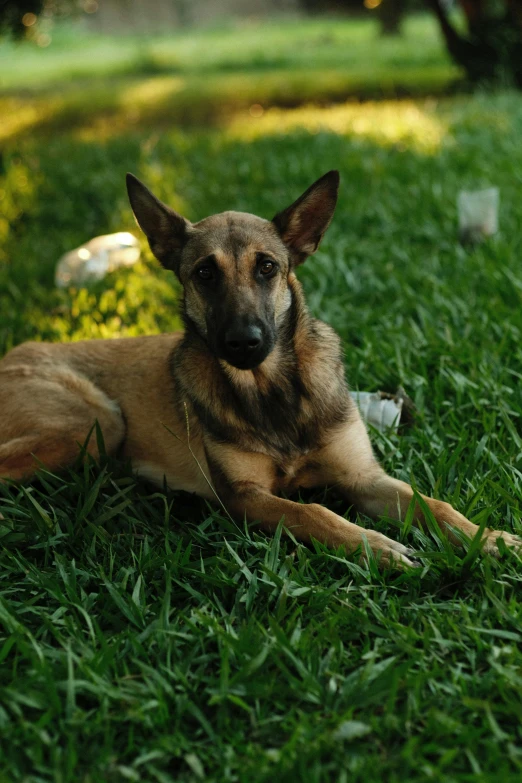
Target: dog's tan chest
295, 473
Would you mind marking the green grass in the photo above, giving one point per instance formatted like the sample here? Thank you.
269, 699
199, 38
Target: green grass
198, 75
146, 637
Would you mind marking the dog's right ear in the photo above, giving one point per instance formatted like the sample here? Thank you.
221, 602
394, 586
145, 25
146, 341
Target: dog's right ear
166, 231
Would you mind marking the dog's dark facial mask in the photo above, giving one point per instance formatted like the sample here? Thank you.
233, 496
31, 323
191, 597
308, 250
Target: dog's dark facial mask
234, 266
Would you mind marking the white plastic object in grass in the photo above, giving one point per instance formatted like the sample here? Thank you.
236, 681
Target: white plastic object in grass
96, 258
478, 214
383, 414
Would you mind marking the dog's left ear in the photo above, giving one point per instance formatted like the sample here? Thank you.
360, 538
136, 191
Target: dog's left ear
166, 231
302, 225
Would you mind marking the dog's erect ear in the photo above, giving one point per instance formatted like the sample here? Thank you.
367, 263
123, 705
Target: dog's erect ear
164, 228
303, 224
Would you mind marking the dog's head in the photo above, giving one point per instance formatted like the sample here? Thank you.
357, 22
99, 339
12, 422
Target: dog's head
234, 266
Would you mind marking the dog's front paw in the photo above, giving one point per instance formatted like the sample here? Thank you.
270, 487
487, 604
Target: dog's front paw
392, 554
509, 539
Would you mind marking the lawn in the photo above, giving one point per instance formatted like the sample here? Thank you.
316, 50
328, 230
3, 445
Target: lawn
145, 636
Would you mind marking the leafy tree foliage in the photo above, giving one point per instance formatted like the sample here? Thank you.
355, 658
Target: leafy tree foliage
12, 12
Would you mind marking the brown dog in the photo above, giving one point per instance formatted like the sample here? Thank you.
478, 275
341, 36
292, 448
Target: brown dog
249, 402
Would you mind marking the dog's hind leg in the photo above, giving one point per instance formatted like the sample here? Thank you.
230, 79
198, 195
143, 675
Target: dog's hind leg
46, 415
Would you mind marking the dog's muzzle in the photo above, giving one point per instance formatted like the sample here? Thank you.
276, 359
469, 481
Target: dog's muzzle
244, 345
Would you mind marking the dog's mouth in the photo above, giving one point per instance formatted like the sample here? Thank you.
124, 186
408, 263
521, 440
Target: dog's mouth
248, 361
246, 365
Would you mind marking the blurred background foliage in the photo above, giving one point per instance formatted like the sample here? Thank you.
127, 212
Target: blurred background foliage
485, 44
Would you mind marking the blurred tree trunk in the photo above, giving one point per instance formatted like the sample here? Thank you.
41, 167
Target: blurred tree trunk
491, 48
391, 15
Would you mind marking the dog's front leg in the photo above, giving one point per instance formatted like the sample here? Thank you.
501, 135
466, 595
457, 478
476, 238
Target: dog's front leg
245, 484
313, 521
349, 464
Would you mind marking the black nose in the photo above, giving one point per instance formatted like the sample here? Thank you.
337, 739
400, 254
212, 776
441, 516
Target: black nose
242, 342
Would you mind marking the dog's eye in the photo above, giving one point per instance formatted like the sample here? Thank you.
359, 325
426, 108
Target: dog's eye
267, 267
205, 273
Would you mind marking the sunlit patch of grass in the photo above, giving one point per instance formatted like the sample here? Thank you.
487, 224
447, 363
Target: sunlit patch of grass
406, 123
19, 115
18, 188
134, 302
170, 101
150, 91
